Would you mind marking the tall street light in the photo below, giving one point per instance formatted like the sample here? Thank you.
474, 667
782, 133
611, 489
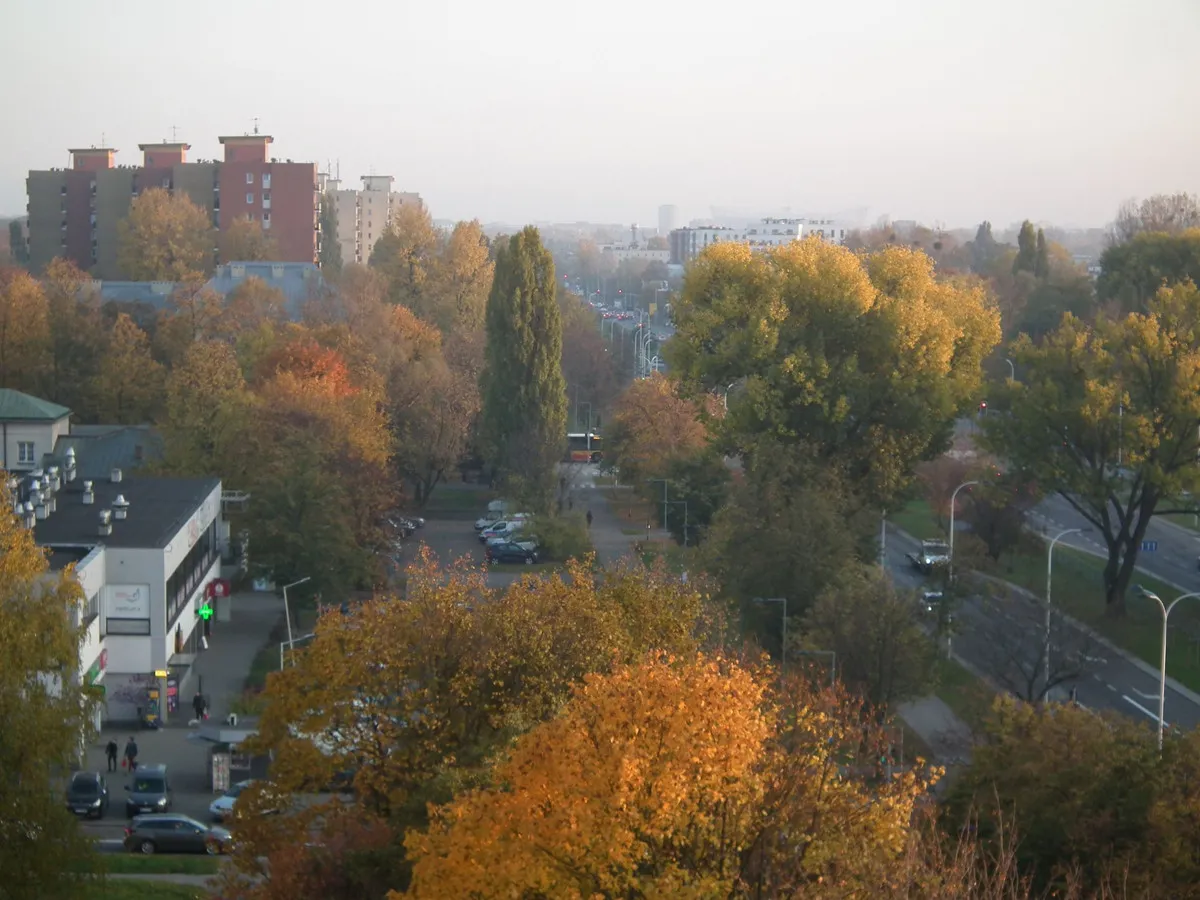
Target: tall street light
1162, 666
287, 612
1049, 581
953, 500
1012, 370
783, 645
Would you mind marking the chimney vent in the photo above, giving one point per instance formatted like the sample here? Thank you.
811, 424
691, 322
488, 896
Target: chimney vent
120, 507
41, 510
70, 464
105, 522
89, 496
54, 477
30, 517
115, 476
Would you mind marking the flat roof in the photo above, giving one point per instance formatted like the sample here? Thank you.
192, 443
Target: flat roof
173, 145
61, 557
247, 138
158, 508
94, 150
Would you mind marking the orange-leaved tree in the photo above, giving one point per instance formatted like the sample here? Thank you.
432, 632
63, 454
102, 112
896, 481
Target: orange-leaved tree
651, 425
676, 777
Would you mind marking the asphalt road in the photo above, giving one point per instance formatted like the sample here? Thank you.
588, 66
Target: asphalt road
1005, 640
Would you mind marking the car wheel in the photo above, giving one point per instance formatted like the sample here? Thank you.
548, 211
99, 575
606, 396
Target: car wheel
212, 848
146, 847
529, 560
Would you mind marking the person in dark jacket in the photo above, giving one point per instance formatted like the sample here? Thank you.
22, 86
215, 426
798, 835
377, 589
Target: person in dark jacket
131, 754
110, 752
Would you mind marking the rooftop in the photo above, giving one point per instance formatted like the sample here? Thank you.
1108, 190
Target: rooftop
62, 557
18, 407
101, 448
158, 508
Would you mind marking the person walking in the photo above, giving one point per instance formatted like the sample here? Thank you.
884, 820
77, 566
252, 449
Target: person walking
131, 754
198, 705
589, 519
110, 752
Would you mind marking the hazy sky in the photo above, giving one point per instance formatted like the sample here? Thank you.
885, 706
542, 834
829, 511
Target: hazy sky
939, 110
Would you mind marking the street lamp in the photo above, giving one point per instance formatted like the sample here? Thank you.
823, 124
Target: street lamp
666, 502
783, 644
953, 499
588, 428
1162, 667
1049, 581
1012, 370
287, 612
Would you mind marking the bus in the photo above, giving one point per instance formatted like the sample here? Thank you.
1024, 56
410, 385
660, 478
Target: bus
584, 447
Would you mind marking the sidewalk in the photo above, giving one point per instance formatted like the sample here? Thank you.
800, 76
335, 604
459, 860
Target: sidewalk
945, 734
221, 671
608, 528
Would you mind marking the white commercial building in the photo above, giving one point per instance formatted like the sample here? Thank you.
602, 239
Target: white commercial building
145, 550
364, 215
688, 243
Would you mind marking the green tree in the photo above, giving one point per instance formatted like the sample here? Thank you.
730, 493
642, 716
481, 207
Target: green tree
165, 237
330, 258
984, 249
701, 480
824, 342
1131, 273
1041, 265
883, 652
47, 719
1128, 387
1027, 251
524, 394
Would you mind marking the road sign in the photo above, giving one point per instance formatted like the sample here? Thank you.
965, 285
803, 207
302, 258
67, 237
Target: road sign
1149, 546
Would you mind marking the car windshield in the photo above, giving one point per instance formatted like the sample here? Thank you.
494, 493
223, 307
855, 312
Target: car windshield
236, 789
84, 786
148, 786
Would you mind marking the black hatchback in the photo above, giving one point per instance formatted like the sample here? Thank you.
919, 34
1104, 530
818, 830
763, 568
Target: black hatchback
87, 795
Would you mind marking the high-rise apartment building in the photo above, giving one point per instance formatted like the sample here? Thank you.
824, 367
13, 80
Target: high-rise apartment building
688, 243
74, 212
668, 219
364, 215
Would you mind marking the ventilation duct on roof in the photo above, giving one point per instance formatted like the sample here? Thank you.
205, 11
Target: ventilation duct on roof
105, 522
89, 496
120, 507
115, 476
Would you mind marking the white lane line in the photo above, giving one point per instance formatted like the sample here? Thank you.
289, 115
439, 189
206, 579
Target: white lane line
1110, 687
1144, 694
1139, 707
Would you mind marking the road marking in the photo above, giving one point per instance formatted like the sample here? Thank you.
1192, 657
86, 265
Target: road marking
1144, 694
1110, 687
1139, 706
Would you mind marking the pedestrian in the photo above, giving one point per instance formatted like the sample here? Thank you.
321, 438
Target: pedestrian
131, 754
589, 518
570, 502
110, 752
198, 705
1074, 695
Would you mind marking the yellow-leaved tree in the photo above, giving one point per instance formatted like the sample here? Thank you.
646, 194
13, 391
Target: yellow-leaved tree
45, 714
691, 777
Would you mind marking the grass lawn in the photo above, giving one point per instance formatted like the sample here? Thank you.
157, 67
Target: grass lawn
1078, 590
1183, 520
969, 697
458, 498
164, 864
633, 532
918, 520
124, 889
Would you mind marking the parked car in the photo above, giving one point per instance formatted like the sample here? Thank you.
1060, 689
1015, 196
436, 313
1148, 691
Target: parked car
511, 552
169, 833
504, 528
149, 791
87, 795
222, 808
528, 541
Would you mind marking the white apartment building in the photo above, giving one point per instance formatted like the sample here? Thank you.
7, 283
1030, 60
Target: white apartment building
620, 253
145, 551
688, 243
364, 215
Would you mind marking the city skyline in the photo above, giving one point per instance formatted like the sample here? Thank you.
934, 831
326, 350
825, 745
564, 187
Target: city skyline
536, 112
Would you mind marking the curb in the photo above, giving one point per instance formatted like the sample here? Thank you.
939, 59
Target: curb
1136, 661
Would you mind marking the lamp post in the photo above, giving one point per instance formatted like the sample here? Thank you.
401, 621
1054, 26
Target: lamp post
1012, 370
1162, 667
953, 500
1049, 582
287, 611
665, 501
783, 638
637, 332
587, 429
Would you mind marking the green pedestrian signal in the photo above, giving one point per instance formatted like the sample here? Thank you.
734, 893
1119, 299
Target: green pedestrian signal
205, 612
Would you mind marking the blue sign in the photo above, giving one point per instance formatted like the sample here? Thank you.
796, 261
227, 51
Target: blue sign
1149, 546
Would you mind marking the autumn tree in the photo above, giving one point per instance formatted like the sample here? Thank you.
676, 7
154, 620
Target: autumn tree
883, 653
462, 280
674, 778
1131, 273
76, 337
43, 853
330, 257
524, 421
208, 425
1165, 213
24, 331
247, 306
17, 248
245, 240
407, 256
191, 315
432, 432
411, 699
165, 237
649, 426
588, 367
129, 382
1128, 386
824, 341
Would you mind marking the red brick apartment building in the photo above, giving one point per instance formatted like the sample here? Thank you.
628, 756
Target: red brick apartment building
74, 212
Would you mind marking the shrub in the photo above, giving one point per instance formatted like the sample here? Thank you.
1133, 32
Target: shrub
561, 537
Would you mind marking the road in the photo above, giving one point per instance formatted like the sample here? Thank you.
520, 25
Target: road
1004, 639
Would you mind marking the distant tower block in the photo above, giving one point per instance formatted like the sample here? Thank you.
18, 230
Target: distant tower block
668, 219
633, 234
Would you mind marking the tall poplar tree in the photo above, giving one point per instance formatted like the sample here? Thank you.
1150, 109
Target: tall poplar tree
331, 249
524, 421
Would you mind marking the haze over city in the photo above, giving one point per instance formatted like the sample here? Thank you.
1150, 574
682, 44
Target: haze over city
537, 111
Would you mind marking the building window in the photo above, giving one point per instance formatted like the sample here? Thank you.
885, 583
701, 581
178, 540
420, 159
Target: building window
267, 181
266, 221
249, 178
25, 452
249, 198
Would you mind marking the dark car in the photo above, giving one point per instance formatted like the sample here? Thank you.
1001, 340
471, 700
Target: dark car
87, 795
511, 552
166, 833
149, 791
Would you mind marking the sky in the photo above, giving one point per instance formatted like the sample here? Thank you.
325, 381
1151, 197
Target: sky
944, 111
